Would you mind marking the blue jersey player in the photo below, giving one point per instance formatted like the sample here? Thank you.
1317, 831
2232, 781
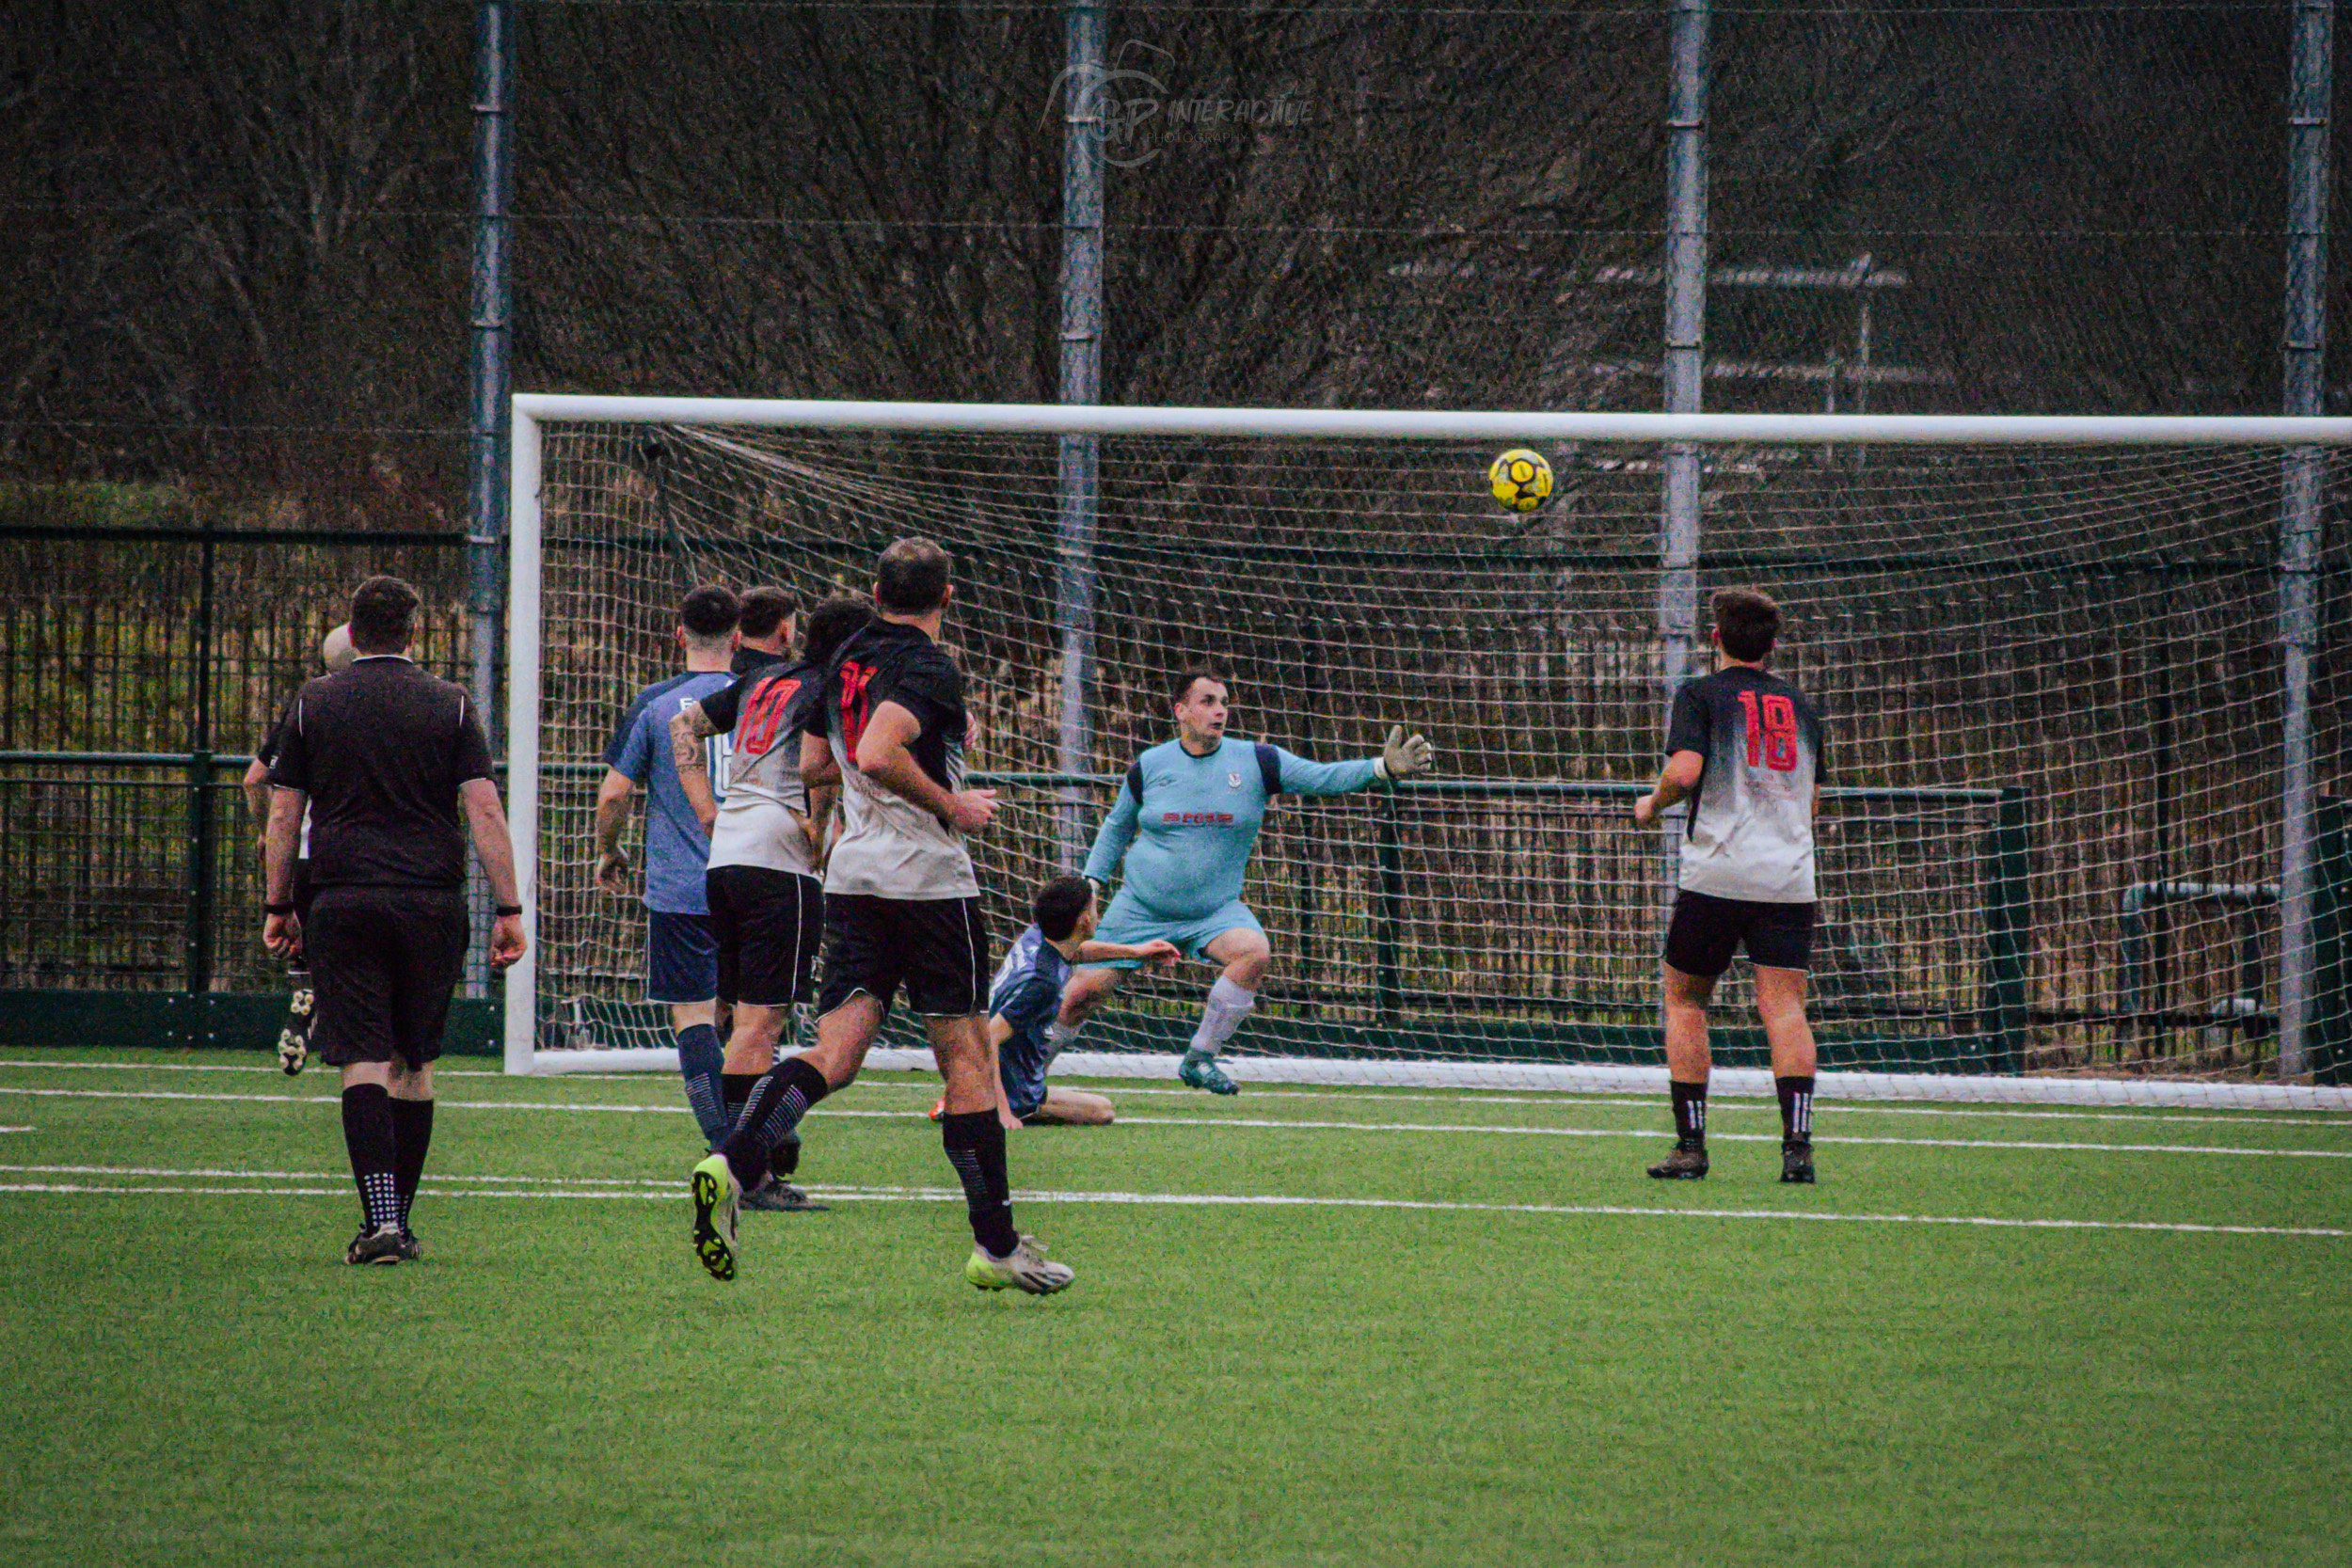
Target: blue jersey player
1179, 837
681, 957
1026, 997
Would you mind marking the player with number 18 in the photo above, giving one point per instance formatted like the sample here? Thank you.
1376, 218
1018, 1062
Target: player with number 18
1745, 748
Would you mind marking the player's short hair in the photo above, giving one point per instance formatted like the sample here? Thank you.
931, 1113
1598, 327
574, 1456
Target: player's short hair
1747, 622
383, 615
1201, 670
911, 579
1059, 905
766, 608
709, 612
833, 623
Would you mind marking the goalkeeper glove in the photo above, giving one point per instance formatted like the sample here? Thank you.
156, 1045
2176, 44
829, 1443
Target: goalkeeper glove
1403, 756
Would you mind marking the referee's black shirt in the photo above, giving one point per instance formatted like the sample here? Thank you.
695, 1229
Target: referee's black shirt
382, 749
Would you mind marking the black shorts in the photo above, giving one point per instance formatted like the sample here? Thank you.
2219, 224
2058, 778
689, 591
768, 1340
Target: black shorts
768, 926
681, 957
302, 892
935, 947
1706, 930
383, 962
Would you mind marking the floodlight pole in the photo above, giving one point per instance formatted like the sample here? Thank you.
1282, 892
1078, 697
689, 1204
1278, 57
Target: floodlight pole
491, 381
2301, 520
1686, 346
1082, 383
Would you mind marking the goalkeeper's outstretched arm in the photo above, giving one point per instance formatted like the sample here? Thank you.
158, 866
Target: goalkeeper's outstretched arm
1403, 757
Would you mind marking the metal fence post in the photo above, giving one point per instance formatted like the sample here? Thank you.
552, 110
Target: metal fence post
1685, 362
2328, 1025
2301, 521
1083, 88
492, 383
2005, 881
199, 837
1387, 988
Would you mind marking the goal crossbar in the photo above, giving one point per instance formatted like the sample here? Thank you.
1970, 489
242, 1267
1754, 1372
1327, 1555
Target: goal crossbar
1037, 419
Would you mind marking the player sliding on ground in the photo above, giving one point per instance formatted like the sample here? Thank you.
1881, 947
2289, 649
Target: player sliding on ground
1026, 997
1745, 748
1182, 828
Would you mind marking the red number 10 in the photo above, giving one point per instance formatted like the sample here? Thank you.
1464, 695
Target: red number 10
1773, 738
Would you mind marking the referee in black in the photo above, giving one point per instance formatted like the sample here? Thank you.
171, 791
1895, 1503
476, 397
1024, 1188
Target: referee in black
395, 766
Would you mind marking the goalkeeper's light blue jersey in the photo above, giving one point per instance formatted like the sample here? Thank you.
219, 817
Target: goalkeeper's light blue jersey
1183, 826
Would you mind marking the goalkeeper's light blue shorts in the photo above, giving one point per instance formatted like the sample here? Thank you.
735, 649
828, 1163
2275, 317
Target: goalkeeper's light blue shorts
1127, 921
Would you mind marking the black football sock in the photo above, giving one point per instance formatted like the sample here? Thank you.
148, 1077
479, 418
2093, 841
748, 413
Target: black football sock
975, 1141
778, 1102
1796, 1109
412, 1135
367, 1136
1690, 1113
735, 1087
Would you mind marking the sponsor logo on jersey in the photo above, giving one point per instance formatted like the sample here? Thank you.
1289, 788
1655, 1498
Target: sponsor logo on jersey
1198, 818
1232, 781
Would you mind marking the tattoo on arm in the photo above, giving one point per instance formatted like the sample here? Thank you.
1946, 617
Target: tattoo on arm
688, 731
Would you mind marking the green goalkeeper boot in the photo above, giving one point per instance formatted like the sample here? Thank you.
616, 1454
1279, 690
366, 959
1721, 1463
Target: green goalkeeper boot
1201, 1072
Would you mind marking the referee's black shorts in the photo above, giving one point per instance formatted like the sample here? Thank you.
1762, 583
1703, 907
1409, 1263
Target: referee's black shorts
937, 948
1706, 930
768, 925
383, 962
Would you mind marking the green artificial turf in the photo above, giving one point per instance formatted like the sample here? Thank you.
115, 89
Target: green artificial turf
193, 1376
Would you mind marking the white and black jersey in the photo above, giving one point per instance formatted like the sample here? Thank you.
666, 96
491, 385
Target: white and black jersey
1749, 833
890, 846
762, 803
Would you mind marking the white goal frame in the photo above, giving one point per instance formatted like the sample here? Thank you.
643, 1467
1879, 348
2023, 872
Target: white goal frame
534, 411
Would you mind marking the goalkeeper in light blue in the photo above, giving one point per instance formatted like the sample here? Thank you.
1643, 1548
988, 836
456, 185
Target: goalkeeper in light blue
1178, 839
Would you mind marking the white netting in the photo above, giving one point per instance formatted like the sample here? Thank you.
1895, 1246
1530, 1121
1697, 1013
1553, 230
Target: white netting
2052, 681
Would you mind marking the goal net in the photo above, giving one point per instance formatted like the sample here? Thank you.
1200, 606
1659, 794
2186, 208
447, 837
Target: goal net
2051, 848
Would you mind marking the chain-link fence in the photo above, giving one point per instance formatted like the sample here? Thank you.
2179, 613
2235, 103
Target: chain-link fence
139, 670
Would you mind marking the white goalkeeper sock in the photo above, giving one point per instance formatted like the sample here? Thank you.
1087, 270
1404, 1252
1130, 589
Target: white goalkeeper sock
1227, 1005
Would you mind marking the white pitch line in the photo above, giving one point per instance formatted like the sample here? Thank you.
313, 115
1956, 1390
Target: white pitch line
1490, 1130
1374, 1095
235, 1066
671, 1184
1272, 1201
1727, 1137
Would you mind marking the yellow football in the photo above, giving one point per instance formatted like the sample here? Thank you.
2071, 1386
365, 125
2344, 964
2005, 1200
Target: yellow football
1520, 479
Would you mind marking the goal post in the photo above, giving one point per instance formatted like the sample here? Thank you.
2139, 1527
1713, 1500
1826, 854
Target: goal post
2055, 852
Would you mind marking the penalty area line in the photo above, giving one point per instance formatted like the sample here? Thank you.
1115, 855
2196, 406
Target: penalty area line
1249, 1200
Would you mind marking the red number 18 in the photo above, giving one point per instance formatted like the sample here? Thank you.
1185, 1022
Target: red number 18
1772, 736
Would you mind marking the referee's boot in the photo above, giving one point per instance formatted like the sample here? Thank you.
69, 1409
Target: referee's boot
378, 1244
1688, 1163
1796, 1161
293, 1040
